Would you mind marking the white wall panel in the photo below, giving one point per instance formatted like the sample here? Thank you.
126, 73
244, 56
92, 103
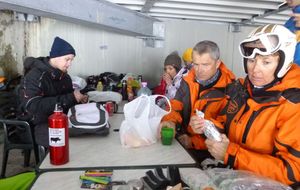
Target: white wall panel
182, 34
99, 51
238, 65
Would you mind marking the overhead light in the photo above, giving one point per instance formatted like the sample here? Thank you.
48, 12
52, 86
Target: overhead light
20, 16
25, 17
128, 2
278, 17
133, 7
247, 4
286, 12
194, 17
268, 21
32, 18
200, 13
209, 8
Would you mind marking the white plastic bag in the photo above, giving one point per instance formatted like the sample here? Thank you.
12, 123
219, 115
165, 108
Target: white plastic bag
142, 118
224, 178
78, 83
103, 96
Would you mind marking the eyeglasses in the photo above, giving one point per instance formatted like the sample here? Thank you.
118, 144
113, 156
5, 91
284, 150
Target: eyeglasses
264, 44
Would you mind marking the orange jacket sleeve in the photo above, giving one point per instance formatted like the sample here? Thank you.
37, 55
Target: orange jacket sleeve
174, 115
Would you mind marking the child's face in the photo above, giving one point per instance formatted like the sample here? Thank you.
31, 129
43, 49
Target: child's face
170, 70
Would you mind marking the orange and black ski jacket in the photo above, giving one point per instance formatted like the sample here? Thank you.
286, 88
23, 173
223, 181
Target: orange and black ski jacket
264, 129
190, 92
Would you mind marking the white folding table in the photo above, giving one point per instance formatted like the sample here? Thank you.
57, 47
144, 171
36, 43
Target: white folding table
62, 180
88, 152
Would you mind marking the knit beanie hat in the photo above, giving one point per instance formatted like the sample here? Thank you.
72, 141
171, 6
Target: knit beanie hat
174, 60
61, 47
187, 55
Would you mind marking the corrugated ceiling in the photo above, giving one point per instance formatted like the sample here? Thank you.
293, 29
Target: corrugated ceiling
253, 12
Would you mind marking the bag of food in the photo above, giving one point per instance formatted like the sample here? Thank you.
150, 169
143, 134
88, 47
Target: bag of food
142, 118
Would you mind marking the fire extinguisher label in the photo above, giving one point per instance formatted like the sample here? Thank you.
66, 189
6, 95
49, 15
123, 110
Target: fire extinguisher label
56, 137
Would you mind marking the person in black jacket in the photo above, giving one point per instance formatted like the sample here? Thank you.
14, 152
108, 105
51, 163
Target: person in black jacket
46, 83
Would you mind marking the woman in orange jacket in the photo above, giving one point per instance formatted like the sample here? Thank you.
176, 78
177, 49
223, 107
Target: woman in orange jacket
262, 116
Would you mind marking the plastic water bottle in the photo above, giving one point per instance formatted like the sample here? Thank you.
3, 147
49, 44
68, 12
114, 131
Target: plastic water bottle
99, 86
124, 90
144, 90
140, 79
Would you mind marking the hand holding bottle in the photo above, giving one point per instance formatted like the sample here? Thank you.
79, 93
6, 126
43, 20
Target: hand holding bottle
197, 123
218, 148
209, 129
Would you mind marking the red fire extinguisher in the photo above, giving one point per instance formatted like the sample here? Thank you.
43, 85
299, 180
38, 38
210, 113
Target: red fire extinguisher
58, 137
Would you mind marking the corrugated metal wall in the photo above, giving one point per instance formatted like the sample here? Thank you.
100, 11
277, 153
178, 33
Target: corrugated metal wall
99, 51
12, 44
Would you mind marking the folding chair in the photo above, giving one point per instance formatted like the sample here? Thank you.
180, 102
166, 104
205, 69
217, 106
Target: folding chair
17, 135
21, 181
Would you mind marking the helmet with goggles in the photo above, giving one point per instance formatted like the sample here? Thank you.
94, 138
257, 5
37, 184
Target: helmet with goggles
267, 40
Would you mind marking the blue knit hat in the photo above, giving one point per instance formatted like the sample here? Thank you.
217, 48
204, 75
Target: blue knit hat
61, 47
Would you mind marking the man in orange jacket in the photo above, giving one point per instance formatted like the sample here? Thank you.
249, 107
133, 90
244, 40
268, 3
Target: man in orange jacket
204, 85
261, 119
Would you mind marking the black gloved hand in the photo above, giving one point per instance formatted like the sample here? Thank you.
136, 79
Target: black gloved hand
160, 174
150, 184
155, 181
175, 178
159, 181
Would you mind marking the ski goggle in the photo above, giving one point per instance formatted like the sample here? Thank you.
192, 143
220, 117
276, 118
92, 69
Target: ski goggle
265, 44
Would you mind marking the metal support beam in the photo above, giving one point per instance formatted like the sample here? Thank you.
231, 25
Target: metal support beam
267, 13
148, 5
95, 13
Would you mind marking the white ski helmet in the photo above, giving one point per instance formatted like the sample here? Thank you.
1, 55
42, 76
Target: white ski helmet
274, 38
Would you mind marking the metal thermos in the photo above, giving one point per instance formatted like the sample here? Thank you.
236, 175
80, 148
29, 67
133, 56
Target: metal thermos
58, 137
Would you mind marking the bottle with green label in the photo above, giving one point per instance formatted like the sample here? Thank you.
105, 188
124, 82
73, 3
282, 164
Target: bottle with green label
99, 86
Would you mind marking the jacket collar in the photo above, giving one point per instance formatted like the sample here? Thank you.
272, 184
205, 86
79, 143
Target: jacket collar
226, 77
55, 73
273, 91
